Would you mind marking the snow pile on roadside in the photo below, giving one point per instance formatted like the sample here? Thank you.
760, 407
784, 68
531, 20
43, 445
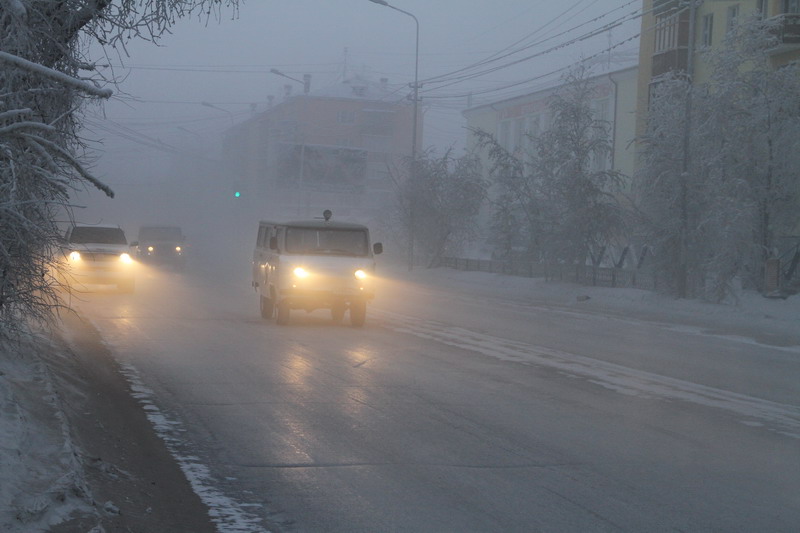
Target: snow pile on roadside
41, 480
751, 312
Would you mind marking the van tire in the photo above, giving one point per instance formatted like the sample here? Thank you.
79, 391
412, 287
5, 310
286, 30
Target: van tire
267, 307
283, 313
337, 311
358, 313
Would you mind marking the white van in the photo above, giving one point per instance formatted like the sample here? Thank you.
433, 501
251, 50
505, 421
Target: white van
317, 264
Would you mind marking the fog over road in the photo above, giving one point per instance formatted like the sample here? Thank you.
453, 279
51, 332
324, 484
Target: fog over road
455, 411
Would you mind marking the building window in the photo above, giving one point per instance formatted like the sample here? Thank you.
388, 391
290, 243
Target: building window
519, 131
708, 29
346, 117
666, 32
761, 8
504, 134
791, 6
733, 16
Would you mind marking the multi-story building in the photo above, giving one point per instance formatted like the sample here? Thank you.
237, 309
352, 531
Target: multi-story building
338, 148
516, 120
666, 41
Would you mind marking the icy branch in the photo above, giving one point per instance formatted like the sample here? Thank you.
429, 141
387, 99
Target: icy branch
22, 125
66, 156
60, 77
16, 7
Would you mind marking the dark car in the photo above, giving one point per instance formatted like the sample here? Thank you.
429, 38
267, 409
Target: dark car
161, 245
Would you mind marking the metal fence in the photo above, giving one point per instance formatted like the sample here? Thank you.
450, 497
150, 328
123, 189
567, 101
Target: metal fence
582, 274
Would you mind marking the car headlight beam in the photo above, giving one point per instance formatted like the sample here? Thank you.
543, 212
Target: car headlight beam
125, 258
360, 274
75, 256
300, 272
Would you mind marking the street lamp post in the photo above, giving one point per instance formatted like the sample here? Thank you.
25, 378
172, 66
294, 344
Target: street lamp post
413, 132
306, 87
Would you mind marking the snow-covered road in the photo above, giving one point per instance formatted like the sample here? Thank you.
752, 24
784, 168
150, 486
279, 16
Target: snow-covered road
469, 403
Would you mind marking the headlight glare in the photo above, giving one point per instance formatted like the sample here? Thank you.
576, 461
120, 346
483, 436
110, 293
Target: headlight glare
178, 248
150, 248
300, 272
360, 274
75, 256
125, 258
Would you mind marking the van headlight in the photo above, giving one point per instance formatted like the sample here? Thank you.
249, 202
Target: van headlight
300, 272
360, 274
125, 258
75, 256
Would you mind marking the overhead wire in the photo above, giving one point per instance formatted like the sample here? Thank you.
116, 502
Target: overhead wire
629, 17
445, 82
456, 74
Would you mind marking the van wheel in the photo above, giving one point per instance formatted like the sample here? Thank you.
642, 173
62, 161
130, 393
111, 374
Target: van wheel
267, 307
283, 313
358, 313
337, 311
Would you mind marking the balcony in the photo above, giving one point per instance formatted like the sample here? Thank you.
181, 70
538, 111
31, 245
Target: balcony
787, 30
674, 60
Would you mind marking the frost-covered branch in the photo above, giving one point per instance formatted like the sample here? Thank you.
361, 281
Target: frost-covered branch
43, 46
86, 87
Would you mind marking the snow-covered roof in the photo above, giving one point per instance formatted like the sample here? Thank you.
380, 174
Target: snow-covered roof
360, 87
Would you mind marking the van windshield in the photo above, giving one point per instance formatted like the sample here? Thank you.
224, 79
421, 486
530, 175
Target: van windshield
326, 241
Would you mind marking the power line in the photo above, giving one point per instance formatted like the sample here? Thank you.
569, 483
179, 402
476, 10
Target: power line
494, 58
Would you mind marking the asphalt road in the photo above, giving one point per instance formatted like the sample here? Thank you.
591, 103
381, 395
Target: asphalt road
455, 411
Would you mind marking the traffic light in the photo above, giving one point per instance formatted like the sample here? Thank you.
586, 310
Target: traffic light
237, 194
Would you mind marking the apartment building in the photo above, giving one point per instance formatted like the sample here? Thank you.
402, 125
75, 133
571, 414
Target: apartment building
336, 148
515, 120
666, 38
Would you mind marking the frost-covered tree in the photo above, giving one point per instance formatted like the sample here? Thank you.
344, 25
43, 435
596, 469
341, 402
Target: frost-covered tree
440, 203
740, 189
562, 185
45, 79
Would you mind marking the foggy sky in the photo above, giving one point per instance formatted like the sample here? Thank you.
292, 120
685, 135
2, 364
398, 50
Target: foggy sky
226, 63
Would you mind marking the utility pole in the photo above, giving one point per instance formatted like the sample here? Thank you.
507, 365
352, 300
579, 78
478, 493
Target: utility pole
683, 259
413, 176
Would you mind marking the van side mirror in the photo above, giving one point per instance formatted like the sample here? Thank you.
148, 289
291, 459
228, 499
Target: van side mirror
273, 243
377, 248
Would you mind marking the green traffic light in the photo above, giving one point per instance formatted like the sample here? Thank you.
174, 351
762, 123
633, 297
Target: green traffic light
237, 194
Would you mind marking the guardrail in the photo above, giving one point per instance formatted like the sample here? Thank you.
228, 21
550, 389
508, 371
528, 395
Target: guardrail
583, 274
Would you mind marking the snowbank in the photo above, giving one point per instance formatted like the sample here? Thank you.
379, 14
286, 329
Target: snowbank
42, 480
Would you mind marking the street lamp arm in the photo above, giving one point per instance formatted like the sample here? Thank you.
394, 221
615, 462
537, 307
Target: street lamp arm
279, 73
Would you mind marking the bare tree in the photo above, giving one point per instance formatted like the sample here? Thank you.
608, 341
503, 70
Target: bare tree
561, 185
45, 79
441, 202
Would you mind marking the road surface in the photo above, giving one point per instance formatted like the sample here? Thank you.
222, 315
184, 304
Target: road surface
453, 410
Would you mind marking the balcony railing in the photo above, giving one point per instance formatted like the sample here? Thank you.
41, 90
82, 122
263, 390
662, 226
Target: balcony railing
787, 30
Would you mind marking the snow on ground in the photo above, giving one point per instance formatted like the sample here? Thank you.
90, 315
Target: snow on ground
777, 319
41, 481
